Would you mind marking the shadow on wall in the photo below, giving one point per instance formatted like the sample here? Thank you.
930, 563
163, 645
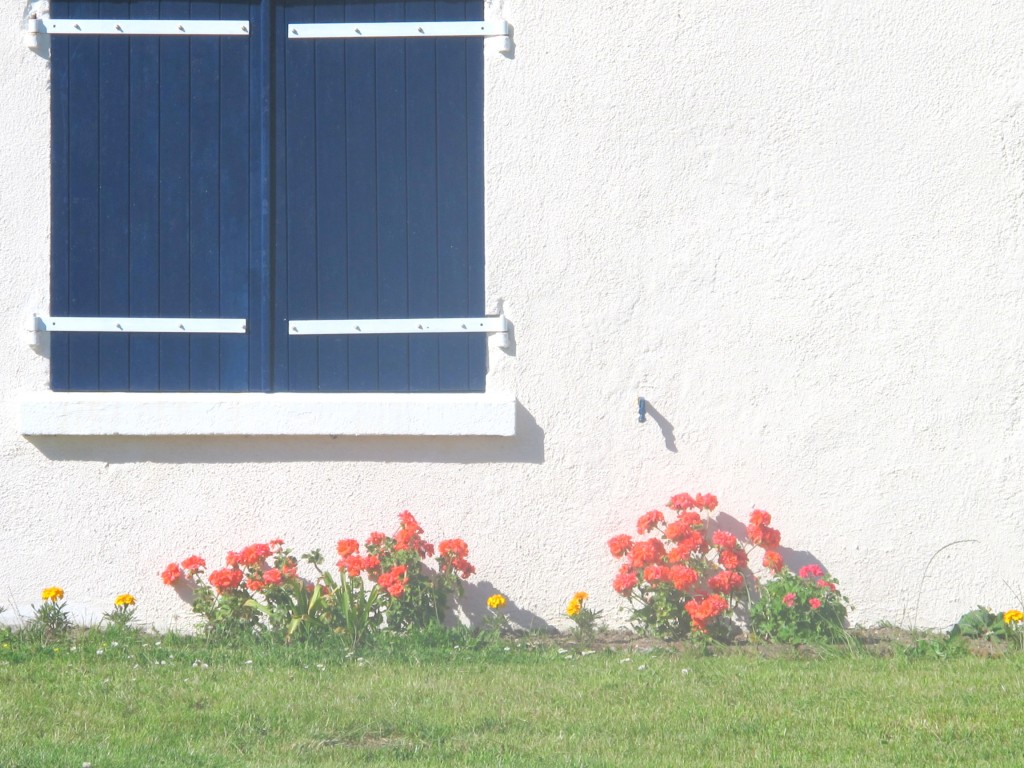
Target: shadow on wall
795, 559
526, 447
668, 431
474, 605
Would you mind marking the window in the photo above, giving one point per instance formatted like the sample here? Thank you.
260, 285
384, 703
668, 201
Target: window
261, 179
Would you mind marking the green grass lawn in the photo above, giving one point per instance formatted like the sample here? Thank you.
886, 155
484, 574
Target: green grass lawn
184, 703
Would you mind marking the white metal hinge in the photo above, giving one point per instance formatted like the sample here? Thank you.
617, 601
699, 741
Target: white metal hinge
41, 323
496, 28
147, 27
496, 325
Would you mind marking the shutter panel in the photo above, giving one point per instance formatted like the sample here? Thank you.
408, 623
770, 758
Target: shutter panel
151, 197
164, 148
379, 184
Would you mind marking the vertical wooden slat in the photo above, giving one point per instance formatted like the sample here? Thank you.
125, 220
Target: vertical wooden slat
298, 101
361, 154
204, 199
261, 335
278, 296
331, 205
144, 206
392, 216
83, 268
453, 202
421, 138
114, 220
477, 343
174, 198
232, 190
60, 198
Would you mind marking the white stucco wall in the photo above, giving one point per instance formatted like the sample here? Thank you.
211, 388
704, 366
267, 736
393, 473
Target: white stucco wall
794, 227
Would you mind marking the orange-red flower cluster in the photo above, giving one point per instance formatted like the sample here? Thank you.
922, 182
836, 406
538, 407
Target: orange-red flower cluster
705, 567
649, 521
347, 547
812, 571
453, 554
225, 579
171, 573
249, 556
624, 580
759, 532
193, 563
683, 501
703, 611
620, 545
773, 561
726, 581
394, 581
408, 536
355, 564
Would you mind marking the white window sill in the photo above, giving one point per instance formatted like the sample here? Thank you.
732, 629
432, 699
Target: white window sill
121, 413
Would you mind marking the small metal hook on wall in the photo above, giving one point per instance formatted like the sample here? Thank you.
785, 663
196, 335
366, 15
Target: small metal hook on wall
641, 409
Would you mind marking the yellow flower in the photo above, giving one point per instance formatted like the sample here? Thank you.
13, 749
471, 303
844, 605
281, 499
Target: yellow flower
1013, 617
574, 607
580, 596
124, 600
496, 602
53, 594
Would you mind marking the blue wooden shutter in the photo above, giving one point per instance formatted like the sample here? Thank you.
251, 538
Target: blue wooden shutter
164, 149
378, 198
155, 178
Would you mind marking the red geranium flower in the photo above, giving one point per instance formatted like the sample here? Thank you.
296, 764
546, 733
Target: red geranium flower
724, 539
624, 581
193, 563
347, 547
681, 502
455, 547
394, 581
225, 579
726, 581
408, 522
815, 603
732, 559
759, 517
171, 573
649, 521
773, 561
620, 545
682, 577
706, 501
272, 576
253, 554
702, 611
789, 599
653, 573
646, 552
811, 571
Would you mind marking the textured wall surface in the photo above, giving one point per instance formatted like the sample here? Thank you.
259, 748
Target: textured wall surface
794, 227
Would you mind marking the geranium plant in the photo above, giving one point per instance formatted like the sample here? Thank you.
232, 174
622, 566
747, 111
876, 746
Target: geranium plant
690, 574
805, 607
261, 590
